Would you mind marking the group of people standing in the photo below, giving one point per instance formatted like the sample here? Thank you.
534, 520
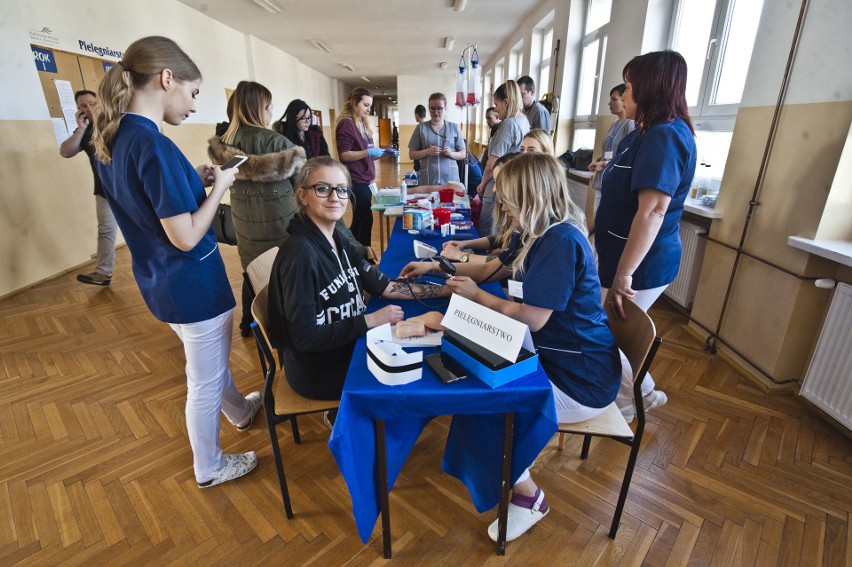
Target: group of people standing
162, 205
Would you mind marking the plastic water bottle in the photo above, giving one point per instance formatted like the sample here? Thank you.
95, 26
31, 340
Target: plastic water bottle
403, 192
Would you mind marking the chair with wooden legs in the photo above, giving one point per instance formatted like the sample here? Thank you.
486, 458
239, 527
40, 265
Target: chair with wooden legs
280, 402
636, 337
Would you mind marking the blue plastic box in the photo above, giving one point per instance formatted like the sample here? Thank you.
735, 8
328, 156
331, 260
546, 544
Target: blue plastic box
493, 375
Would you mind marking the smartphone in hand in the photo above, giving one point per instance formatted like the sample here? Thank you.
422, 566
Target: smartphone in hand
235, 161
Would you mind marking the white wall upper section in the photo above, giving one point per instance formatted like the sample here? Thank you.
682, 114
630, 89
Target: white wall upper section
224, 55
821, 71
288, 79
415, 89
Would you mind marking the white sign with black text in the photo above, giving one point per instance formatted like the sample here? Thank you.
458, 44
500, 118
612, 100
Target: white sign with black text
494, 331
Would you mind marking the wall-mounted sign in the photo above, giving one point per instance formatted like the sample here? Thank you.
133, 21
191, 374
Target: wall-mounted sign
44, 60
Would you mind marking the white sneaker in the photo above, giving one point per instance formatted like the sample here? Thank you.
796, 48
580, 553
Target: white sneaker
650, 401
519, 519
235, 467
255, 400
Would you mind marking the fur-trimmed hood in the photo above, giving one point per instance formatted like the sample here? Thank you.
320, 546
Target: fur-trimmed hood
265, 168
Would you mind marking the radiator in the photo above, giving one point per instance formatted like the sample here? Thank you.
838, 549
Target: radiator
828, 382
682, 289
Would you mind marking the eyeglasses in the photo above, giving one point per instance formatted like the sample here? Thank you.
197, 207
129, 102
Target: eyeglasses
306, 118
323, 190
436, 108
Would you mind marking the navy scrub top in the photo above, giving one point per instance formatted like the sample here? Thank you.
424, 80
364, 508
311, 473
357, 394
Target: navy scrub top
150, 179
663, 158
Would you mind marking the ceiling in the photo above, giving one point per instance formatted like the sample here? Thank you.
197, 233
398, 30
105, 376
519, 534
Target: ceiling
380, 39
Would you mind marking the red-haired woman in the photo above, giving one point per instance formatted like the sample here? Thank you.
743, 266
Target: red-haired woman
642, 194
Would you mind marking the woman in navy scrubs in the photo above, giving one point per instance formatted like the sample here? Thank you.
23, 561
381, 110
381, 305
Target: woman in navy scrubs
165, 215
642, 194
561, 305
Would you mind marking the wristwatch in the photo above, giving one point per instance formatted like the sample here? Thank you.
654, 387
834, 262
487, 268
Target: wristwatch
465, 257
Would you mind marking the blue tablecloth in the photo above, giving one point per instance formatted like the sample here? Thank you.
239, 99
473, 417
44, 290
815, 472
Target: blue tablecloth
473, 453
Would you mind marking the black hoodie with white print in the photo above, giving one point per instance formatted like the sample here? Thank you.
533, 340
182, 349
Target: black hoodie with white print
316, 304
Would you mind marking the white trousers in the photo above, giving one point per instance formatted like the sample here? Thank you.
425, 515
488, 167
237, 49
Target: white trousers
107, 229
209, 389
644, 299
568, 410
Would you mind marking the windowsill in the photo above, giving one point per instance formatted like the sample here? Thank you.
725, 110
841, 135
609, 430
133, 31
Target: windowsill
839, 251
695, 207
580, 173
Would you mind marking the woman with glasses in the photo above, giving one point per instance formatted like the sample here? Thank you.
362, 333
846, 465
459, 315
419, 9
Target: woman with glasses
316, 301
262, 201
297, 125
438, 145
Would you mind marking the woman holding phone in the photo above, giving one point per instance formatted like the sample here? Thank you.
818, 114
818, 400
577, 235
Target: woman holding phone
161, 206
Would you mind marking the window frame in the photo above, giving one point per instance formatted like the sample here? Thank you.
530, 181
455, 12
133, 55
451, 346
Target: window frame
705, 114
600, 34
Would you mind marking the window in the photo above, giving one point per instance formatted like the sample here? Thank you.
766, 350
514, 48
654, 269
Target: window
516, 61
591, 70
543, 83
716, 39
598, 14
584, 138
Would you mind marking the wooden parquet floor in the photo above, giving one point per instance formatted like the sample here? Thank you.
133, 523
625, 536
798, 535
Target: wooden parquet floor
95, 468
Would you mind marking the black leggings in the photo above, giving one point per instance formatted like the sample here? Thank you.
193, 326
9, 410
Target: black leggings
362, 215
316, 380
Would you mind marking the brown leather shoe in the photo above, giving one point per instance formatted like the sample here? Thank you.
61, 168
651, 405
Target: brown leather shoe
94, 279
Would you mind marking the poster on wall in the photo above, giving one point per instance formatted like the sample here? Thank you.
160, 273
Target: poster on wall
66, 63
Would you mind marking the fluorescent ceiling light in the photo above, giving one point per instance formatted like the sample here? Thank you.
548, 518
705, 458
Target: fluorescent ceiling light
320, 45
269, 6
363, 78
442, 65
459, 5
347, 66
449, 42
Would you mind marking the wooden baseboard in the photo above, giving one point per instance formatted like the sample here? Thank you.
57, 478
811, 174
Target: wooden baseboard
745, 369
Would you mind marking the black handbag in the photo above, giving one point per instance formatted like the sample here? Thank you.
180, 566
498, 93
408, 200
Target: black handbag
582, 159
223, 225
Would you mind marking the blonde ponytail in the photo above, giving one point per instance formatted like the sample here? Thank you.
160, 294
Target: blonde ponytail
144, 59
114, 94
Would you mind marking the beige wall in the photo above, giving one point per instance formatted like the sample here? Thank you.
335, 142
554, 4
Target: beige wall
772, 316
47, 217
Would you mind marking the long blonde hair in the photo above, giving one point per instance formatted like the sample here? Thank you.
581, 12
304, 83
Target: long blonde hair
543, 138
143, 61
501, 224
509, 91
535, 186
246, 107
348, 111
